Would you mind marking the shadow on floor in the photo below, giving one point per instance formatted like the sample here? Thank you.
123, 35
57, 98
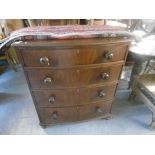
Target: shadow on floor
4, 97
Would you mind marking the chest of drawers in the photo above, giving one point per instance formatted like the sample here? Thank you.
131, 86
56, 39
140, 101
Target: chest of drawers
72, 80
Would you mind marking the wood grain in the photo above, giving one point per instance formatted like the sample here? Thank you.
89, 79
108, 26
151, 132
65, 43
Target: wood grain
75, 79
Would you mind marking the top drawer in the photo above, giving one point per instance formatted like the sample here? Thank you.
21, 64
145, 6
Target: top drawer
50, 57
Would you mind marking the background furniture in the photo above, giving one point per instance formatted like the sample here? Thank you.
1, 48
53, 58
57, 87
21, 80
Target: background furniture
8, 58
144, 87
52, 22
143, 54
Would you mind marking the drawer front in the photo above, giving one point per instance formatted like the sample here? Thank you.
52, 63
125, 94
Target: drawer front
70, 114
58, 115
56, 98
73, 97
73, 77
68, 57
94, 110
93, 94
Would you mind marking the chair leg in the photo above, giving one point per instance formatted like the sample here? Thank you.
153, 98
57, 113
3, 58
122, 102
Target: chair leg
152, 125
132, 96
137, 69
147, 68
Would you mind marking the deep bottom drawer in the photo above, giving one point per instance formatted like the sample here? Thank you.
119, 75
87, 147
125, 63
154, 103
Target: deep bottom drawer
71, 114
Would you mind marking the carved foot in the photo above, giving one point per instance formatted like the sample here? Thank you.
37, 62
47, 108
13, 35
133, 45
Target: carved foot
107, 117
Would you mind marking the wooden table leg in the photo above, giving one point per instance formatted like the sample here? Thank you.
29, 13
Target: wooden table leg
152, 126
137, 68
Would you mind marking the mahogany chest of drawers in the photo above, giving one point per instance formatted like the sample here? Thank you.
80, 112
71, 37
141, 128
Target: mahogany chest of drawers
74, 79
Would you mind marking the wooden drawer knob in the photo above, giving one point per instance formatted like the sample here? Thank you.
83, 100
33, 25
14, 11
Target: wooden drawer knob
48, 80
44, 61
108, 55
102, 94
54, 115
105, 76
51, 99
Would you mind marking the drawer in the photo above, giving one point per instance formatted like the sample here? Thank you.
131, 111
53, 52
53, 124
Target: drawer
70, 114
93, 94
73, 97
56, 78
93, 110
56, 98
58, 115
46, 57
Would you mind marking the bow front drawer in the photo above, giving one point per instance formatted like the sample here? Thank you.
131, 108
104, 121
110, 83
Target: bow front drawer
76, 113
58, 78
73, 97
41, 57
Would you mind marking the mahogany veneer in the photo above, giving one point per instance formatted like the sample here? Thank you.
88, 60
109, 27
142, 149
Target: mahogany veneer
72, 80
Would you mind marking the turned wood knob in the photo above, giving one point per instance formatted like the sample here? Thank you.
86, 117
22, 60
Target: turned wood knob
105, 76
51, 99
101, 94
48, 80
44, 61
109, 55
54, 115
